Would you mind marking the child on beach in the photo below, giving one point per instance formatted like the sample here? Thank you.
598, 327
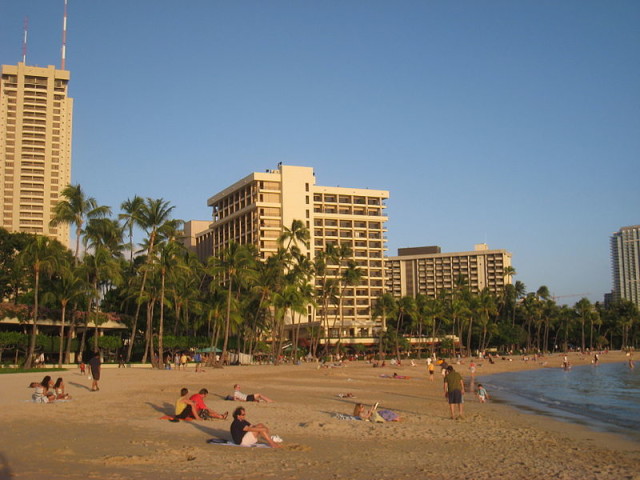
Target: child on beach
483, 396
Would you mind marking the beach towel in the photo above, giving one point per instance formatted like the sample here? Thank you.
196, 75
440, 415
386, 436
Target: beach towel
169, 417
229, 443
344, 416
388, 415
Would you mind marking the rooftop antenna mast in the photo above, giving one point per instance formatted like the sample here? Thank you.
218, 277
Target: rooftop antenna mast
64, 38
24, 40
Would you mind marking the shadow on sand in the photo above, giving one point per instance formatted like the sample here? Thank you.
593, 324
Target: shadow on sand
5, 469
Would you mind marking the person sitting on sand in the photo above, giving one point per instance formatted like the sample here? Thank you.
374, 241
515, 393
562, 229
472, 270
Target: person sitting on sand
43, 393
252, 397
205, 412
245, 434
58, 389
185, 408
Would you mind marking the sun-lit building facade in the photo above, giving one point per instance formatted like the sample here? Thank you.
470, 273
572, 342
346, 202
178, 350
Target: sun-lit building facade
256, 209
428, 271
36, 116
625, 264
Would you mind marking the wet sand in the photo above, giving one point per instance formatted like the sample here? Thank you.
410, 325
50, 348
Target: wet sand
116, 433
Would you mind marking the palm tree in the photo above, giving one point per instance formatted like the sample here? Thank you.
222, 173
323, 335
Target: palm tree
166, 262
584, 310
382, 307
151, 216
102, 271
351, 276
235, 264
76, 209
68, 286
298, 233
486, 308
132, 209
405, 306
42, 255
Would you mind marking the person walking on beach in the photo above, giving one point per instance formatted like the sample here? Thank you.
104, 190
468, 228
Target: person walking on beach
245, 434
432, 371
483, 396
453, 391
94, 365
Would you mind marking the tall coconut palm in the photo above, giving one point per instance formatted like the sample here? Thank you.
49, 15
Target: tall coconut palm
102, 271
68, 286
383, 306
76, 209
351, 277
42, 255
584, 310
167, 260
151, 216
405, 306
234, 265
132, 210
297, 233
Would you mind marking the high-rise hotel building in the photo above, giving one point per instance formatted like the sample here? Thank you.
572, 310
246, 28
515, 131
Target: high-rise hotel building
255, 210
428, 271
35, 147
625, 263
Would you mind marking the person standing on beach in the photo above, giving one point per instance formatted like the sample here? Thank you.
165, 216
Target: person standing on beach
432, 371
94, 365
453, 391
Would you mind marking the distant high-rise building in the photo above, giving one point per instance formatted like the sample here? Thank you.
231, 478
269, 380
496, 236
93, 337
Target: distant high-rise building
256, 209
625, 263
35, 147
427, 271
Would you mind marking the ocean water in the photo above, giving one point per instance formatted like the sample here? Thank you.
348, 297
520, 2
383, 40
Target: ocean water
604, 397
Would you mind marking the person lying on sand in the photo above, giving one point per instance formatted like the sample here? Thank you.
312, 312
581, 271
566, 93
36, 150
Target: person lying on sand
374, 415
203, 410
252, 397
245, 434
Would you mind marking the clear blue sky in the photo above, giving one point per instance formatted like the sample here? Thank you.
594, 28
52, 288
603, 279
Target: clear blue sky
515, 123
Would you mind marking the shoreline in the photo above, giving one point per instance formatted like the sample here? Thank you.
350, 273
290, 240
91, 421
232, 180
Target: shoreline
116, 433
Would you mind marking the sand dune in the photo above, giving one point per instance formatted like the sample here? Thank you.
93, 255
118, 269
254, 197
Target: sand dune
116, 433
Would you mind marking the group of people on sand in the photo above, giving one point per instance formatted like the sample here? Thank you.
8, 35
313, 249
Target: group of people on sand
47, 391
244, 433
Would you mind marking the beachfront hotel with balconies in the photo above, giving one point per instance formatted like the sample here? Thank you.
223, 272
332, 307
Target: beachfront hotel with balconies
35, 147
255, 209
428, 271
625, 264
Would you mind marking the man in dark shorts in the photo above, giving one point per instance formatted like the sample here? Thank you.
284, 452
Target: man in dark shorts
252, 397
94, 364
245, 434
454, 390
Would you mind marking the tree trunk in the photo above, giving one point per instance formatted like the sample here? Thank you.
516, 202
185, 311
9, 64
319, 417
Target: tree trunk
34, 331
62, 318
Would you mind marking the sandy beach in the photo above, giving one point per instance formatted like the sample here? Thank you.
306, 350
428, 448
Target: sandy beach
117, 433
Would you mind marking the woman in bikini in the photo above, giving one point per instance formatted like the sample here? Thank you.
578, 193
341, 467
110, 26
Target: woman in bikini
58, 389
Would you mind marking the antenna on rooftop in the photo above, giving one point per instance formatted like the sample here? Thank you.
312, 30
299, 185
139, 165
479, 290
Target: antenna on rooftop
64, 38
24, 40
